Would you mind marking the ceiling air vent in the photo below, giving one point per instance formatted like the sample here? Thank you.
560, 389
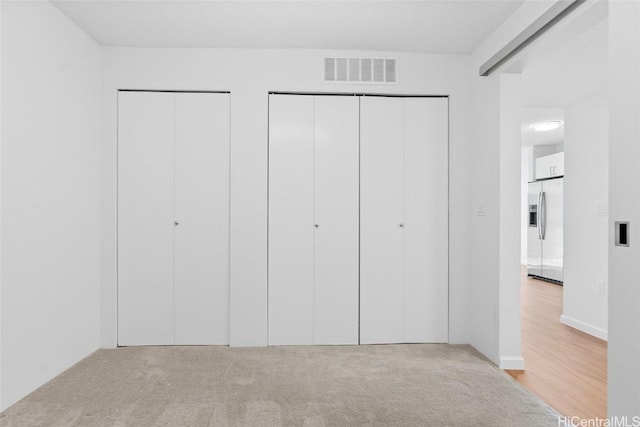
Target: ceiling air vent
360, 70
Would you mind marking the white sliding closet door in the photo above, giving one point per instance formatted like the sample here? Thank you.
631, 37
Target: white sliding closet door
336, 151
313, 220
381, 220
290, 219
145, 218
173, 218
202, 216
404, 220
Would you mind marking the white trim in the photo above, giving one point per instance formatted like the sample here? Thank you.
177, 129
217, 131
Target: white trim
512, 363
584, 327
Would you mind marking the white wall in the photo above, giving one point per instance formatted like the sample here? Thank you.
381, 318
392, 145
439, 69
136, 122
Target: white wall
494, 236
545, 150
495, 307
586, 187
483, 216
1, 91
624, 196
509, 258
624, 205
489, 319
250, 75
526, 173
50, 196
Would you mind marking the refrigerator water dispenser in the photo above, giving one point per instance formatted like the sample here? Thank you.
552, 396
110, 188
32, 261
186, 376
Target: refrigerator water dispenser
533, 215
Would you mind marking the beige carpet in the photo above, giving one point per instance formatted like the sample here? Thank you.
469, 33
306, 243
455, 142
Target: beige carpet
385, 385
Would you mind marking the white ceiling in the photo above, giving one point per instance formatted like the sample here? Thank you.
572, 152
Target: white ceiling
449, 26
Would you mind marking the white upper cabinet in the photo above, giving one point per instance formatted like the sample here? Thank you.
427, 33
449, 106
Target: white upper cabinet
550, 166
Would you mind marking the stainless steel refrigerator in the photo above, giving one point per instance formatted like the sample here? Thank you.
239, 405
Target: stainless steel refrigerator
545, 236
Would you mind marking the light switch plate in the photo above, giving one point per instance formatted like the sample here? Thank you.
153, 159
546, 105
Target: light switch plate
622, 233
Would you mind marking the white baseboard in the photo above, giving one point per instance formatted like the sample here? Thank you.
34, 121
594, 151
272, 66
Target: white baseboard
515, 363
584, 327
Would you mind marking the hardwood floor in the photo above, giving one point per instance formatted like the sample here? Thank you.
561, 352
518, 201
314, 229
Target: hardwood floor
563, 366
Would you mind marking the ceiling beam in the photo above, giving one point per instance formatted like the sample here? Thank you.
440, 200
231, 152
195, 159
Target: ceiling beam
538, 27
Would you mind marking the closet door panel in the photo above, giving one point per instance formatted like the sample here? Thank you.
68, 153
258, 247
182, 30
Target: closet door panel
381, 239
202, 217
336, 214
426, 220
145, 218
290, 219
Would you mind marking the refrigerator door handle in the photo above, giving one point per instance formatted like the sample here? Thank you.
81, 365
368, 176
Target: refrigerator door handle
539, 215
543, 212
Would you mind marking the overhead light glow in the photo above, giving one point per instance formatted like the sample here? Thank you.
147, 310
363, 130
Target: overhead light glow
548, 125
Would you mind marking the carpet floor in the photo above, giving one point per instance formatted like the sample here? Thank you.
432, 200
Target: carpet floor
381, 385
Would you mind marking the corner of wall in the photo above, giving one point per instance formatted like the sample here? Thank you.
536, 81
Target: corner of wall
515, 363
50, 196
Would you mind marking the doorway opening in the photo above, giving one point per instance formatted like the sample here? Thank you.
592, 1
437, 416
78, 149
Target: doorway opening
564, 224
